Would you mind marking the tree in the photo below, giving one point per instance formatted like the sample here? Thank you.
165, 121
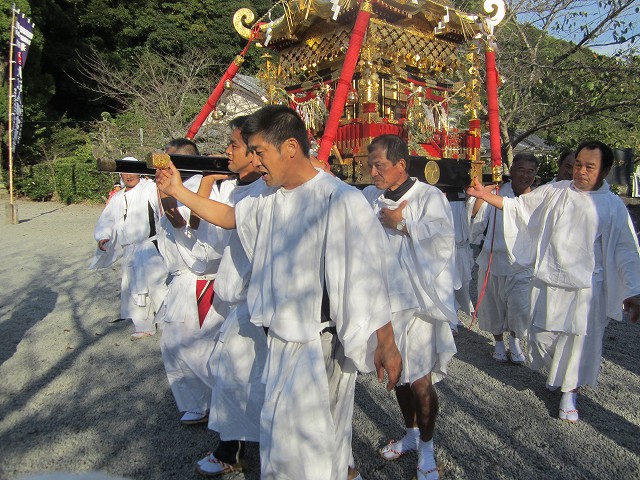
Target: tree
119, 33
160, 94
37, 86
553, 78
122, 31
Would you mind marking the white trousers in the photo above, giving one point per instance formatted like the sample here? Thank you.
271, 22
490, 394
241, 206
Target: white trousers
505, 305
571, 359
306, 420
426, 347
464, 266
236, 366
143, 286
185, 350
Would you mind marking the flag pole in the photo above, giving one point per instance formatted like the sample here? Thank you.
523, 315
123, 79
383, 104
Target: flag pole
12, 209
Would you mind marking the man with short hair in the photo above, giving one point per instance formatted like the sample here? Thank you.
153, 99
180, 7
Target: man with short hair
419, 225
304, 233
579, 239
565, 166
192, 253
127, 228
240, 351
506, 283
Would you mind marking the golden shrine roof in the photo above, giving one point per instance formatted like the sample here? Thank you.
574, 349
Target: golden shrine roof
299, 16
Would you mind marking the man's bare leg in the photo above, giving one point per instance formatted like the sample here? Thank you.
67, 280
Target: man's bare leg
419, 406
426, 407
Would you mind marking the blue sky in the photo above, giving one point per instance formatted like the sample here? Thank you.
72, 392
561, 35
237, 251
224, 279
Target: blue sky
589, 13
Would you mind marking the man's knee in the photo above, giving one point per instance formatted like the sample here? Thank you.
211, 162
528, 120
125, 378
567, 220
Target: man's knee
423, 388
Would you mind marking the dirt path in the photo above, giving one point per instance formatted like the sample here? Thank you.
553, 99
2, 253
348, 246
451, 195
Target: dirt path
77, 395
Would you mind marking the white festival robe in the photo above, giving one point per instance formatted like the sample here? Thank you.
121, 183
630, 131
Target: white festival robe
427, 256
238, 359
505, 304
125, 222
461, 212
586, 261
304, 432
190, 255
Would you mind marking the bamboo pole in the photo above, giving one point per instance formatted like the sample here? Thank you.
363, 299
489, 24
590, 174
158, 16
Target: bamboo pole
12, 210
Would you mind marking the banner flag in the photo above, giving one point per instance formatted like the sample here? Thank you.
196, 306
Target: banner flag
23, 34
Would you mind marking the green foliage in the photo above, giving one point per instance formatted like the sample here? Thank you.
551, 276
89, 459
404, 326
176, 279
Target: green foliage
68, 180
555, 86
36, 182
68, 171
76, 182
91, 184
66, 32
122, 31
548, 166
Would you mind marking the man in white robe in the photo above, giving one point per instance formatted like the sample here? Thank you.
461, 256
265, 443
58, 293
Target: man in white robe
461, 211
240, 351
419, 224
127, 229
578, 238
565, 167
192, 253
304, 232
506, 284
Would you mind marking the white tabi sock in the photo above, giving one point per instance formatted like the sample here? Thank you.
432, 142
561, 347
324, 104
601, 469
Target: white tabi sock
568, 401
410, 440
500, 347
514, 345
426, 459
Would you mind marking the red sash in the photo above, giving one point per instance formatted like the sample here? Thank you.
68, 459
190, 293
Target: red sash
204, 296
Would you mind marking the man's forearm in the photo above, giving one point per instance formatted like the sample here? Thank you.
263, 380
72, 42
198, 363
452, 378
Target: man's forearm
493, 199
480, 192
385, 334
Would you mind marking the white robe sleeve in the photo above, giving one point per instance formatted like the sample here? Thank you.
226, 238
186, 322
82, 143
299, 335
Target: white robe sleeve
201, 249
356, 275
622, 262
479, 224
432, 235
523, 219
154, 199
106, 229
106, 221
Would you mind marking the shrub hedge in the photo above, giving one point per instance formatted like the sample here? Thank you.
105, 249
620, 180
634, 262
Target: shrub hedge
66, 179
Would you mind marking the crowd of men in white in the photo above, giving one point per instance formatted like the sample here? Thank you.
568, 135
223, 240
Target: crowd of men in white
275, 287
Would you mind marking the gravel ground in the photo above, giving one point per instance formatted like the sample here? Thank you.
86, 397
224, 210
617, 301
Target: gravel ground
77, 395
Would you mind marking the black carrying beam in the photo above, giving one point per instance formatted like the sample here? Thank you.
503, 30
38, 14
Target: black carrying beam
187, 165
446, 172
124, 166
190, 163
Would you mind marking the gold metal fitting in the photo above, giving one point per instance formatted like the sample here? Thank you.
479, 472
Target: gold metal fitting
366, 6
158, 160
432, 172
496, 172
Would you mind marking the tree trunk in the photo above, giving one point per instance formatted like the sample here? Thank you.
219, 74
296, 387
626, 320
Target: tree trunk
507, 148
